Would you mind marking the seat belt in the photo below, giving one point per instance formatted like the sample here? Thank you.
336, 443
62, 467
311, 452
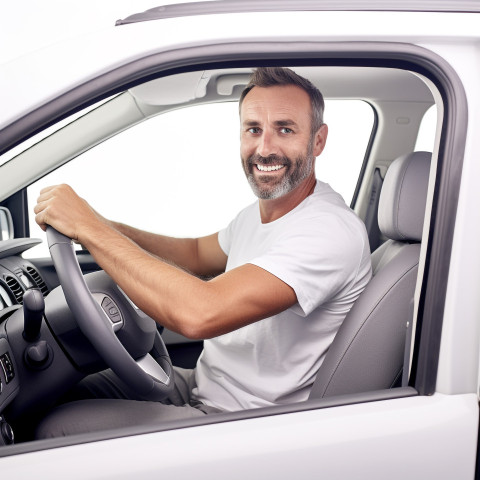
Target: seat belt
371, 219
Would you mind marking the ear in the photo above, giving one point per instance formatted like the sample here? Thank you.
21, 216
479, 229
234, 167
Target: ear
320, 140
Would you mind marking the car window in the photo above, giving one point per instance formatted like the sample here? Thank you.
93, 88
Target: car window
180, 174
426, 132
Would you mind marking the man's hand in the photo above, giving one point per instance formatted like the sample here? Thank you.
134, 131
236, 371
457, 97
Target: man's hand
60, 207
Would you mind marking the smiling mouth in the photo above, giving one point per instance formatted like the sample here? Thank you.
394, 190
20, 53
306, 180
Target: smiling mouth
268, 168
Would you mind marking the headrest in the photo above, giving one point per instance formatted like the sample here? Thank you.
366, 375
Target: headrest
403, 197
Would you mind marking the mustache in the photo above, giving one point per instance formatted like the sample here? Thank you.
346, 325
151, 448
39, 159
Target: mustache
270, 160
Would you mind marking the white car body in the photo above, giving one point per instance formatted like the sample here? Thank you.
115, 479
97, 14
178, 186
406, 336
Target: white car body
431, 435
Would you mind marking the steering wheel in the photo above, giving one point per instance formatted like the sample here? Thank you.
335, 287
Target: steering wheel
152, 379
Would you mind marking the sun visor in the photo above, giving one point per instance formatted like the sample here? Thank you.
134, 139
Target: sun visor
172, 90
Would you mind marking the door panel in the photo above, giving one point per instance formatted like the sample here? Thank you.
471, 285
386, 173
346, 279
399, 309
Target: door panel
416, 437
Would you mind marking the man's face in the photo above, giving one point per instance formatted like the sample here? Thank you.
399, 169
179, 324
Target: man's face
277, 148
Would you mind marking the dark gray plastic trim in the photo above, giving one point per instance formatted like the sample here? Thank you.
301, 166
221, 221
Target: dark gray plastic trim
15, 246
252, 6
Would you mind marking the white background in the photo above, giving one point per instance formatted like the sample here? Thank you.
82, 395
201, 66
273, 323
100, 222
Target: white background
28, 25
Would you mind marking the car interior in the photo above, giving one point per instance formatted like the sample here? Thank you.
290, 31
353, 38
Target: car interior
62, 318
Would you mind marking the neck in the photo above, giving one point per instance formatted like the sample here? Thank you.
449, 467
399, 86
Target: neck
271, 210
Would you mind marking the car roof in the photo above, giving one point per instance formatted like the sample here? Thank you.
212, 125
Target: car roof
242, 6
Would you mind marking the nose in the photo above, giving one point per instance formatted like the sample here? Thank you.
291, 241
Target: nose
267, 144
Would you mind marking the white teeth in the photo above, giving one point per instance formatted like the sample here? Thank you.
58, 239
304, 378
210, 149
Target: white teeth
269, 168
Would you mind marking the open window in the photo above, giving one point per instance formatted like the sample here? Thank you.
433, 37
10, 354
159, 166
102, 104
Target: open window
160, 155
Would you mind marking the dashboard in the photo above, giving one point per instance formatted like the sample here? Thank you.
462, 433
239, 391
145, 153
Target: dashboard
17, 275
44, 351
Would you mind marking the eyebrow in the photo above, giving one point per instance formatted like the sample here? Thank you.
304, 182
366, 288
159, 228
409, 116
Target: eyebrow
285, 123
277, 123
250, 123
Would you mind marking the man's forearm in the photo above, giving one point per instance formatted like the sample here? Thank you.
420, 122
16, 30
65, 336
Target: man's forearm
179, 301
179, 251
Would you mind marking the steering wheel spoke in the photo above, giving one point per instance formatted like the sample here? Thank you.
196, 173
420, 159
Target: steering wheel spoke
152, 368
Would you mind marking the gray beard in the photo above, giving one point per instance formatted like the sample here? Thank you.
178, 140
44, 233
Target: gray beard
261, 186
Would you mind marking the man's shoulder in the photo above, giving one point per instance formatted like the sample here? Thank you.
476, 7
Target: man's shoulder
246, 218
325, 202
326, 216
248, 214
325, 195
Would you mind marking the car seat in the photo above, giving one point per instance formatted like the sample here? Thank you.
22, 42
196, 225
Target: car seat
368, 351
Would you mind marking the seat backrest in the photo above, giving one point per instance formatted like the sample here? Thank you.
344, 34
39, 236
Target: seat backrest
368, 351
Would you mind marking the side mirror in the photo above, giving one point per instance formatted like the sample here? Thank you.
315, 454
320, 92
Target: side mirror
6, 224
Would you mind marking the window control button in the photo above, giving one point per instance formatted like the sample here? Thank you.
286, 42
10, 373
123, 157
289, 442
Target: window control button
7, 367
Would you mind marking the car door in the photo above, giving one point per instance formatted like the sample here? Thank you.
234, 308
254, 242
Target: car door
430, 424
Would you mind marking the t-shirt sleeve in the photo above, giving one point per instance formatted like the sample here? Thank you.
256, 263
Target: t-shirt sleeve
319, 259
225, 238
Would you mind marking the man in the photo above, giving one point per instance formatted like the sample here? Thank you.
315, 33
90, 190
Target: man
285, 272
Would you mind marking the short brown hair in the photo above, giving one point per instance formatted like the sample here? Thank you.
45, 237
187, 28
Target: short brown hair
273, 76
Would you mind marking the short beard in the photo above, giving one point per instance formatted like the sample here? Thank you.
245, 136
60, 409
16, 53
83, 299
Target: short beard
302, 168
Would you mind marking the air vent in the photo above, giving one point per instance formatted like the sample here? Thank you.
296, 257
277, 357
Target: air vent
37, 279
15, 288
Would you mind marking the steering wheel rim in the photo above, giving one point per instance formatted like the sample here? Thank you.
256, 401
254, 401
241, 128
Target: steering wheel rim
146, 376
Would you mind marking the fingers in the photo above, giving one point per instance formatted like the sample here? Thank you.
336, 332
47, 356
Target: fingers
60, 207
50, 188
54, 190
41, 216
41, 208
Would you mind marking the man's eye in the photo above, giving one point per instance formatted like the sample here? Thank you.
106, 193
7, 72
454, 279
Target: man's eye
254, 130
286, 130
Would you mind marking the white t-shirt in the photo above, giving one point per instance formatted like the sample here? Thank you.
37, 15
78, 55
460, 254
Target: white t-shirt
321, 250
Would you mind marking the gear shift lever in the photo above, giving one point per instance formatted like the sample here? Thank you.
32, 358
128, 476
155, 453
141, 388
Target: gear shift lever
33, 308
38, 354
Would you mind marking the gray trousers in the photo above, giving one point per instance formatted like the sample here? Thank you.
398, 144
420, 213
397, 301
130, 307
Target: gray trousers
103, 402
